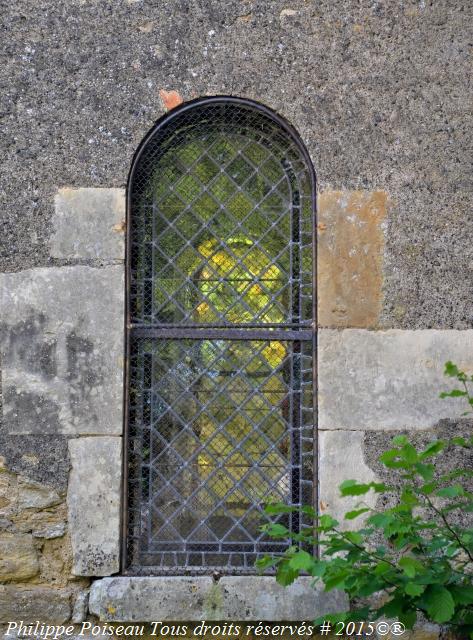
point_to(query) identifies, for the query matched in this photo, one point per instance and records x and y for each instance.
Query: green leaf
(266, 561)
(392, 609)
(409, 453)
(454, 393)
(277, 508)
(354, 536)
(413, 589)
(379, 487)
(451, 369)
(335, 581)
(286, 574)
(380, 519)
(462, 594)
(381, 568)
(400, 440)
(276, 530)
(432, 449)
(389, 455)
(439, 603)
(351, 515)
(425, 470)
(410, 566)
(450, 492)
(351, 488)
(428, 488)
(318, 568)
(408, 618)
(327, 522)
(301, 561)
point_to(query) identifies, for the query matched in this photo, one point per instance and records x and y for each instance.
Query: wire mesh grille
(220, 398)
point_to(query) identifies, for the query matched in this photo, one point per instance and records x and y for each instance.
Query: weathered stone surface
(8, 493)
(200, 598)
(455, 458)
(55, 561)
(18, 557)
(388, 379)
(147, 599)
(262, 598)
(378, 96)
(93, 500)
(43, 458)
(62, 347)
(350, 253)
(46, 605)
(88, 223)
(81, 606)
(33, 495)
(53, 531)
(341, 458)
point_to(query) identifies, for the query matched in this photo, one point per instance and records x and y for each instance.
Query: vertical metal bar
(316, 471)
(124, 515)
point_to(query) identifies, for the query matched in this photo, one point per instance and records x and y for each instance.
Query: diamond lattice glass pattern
(218, 231)
(219, 424)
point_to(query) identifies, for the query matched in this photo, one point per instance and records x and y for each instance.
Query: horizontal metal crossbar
(222, 334)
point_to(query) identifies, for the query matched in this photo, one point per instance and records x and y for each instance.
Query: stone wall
(62, 355)
(379, 94)
(61, 332)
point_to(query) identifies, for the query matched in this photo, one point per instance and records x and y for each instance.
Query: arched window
(221, 337)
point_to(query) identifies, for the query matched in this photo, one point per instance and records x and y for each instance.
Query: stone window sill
(232, 598)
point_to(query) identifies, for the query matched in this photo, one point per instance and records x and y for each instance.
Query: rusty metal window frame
(150, 341)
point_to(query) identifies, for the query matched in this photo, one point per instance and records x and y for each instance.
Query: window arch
(220, 337)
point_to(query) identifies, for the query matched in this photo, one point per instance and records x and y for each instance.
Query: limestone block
(350, 256)
(8, 493)
(262, 598)
(341, 458)
(81, 606)
(48, 533)
(88, 223)
(375, 380)
(93, 500)
(29, 605)
(18, 557)
(33, 495)
(148, 599)
(231, 598)
(61, 340)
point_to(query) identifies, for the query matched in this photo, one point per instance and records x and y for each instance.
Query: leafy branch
(411, 552)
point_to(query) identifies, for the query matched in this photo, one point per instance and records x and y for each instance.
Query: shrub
(415, 553)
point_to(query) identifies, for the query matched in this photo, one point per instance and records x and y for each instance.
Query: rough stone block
(18, 557)
(262, 598)
(200, 598)
(8, 492)
(33, 495)
(341, 458)
(93, 500)
(88, 223)
(375, 380)
(29, 605)
(43, 458)
(61, 338)
(350, 255)
(148, 599)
